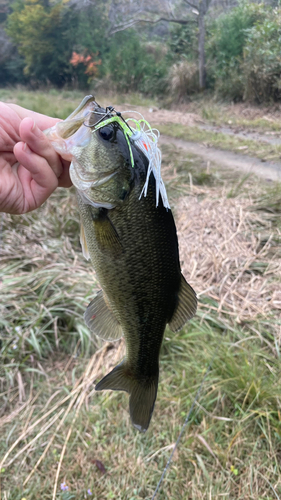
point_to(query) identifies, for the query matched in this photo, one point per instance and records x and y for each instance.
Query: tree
(124, 14)
(46, 33)
(202, 7)
(36, 30)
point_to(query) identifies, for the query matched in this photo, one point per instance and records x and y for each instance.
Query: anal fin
(186, 307)
(101, 320)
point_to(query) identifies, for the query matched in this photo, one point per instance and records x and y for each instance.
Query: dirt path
(265, 169)
(268, 137)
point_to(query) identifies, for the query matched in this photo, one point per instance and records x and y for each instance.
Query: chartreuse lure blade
(125, 128)
(146, 139)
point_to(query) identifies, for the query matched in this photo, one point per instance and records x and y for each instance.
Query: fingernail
(26, 149)
(36, 131)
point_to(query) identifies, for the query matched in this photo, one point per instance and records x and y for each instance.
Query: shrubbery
(46, 35)
(227, 36)
(61, 43)
(262, 60)
(243, 53)
(134, 65)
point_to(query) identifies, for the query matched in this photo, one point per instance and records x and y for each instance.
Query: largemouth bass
(133, 247)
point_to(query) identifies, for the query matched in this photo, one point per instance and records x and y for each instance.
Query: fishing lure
(146, 139)
(135, 130)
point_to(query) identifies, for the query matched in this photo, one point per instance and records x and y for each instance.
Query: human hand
(30, 169)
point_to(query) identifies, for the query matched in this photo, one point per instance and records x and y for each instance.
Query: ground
(60, 439)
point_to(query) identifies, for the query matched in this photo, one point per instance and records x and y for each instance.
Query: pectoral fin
(83, 242)
(107, 236)
(186, 307)
(101, 320)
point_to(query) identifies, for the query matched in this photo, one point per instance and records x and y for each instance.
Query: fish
(132, 242)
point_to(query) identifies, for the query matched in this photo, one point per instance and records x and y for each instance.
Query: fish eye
(106, 133)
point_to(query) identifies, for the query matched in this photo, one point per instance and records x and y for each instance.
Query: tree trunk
(201, 50)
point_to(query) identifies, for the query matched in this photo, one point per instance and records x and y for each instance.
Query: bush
(262, 60)
(134, 65)
(10, 62)
(184, 80)
(227, 37)
(47, 33)
(228, 82)
(183, 40)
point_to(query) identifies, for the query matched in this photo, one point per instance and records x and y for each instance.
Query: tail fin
(142, 393)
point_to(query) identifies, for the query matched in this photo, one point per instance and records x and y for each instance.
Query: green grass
(60, 104)
(243, 115)
(231, 447)
(219, 140)
(232, 442)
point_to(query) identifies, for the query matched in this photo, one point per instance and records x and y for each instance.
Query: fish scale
(133, 247)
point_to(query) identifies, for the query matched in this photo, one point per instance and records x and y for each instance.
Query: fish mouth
(81, 182)
(97, 204)
(104, 179)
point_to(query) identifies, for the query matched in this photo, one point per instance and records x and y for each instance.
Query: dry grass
(55, 429)
(67, 431)
(224, 252)
(183, 80)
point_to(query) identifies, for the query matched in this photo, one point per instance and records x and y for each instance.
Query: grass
(56, 430)
(242, 115)
(60, 104)
(219, 140)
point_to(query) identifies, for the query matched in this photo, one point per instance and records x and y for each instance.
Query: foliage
(46, 36)
(262, 59)
(228, 32)
(225, 46)
(134, 66)
(85, 65)
(183, 40)
(10, 61)
(36, 30)
(243, 53)
(12, 70)
(86, 32)
(57, 40)
(242, 50)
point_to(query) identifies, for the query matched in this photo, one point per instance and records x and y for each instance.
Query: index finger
(40, 144)
(42, 121)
